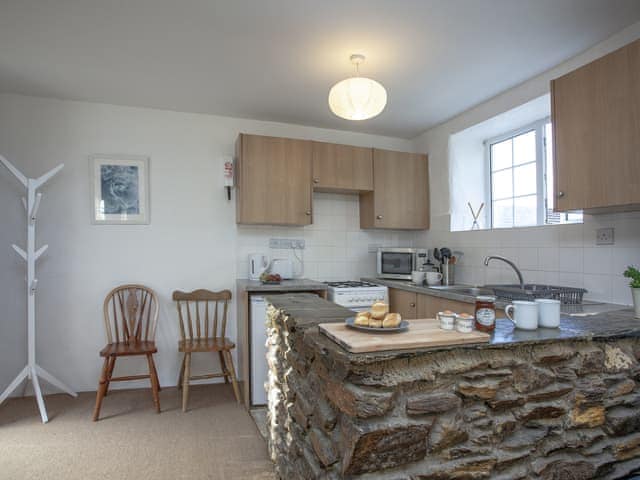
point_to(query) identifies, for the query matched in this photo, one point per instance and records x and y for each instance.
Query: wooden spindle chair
(202, 329)
(130, 320)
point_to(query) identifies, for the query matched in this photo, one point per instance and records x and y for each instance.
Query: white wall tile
(621, 258)
(598, 286)
(620, 290)
(527, 258)
(598, 260)
(548, 259)
(570, 279)
(571, 260)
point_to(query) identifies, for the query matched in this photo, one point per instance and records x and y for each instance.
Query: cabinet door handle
(308, 213)
(379, 217)
(315, 180)
(560, 194)
(412, 305)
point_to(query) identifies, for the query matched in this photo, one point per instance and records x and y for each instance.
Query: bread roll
(362, 319)
(374, 323)
(379, 310)
(392, 320)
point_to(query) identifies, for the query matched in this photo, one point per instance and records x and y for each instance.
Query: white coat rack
(32, 370)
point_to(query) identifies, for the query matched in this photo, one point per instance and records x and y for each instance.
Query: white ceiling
(277, 59)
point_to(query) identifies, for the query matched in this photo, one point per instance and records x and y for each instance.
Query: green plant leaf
(634, 274)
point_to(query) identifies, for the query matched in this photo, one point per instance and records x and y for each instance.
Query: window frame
(539, 127)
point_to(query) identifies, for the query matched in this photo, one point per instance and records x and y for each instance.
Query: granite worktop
(296, 284)
(548, 404)
(588, 307)
(307, 311)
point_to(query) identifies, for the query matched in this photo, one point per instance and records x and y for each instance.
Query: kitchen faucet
(506, 260)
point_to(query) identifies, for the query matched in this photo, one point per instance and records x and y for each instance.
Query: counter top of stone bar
(309, 310)
(297, 284)
(543, 405)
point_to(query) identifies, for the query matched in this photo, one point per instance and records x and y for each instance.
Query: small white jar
(464, 323)
(447, 320)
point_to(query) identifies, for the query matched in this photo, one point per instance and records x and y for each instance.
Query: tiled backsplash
(336, 247)
(565, 255)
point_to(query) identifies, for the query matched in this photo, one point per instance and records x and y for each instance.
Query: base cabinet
(411, 305)
(403, 302)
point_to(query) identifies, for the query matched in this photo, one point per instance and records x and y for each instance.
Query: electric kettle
(258, 263)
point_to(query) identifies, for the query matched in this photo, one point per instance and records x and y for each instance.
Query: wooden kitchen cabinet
(596, 134)
(274, 180)
(342, 168)
(429, 306)
(400, 197)
(411, 305)
(403, 302)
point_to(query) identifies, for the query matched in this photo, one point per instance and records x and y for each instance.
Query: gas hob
(356, 295)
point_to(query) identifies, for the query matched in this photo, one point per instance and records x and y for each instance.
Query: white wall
(192, 240)
(564, 254)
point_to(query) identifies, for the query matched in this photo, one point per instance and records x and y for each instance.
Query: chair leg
(157, 379)
(102, 388)
(225, 370)
(185, 381)
(181, 372)
(112, 364)
(232, 371)
(153, 376)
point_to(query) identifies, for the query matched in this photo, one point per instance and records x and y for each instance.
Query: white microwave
(398, 263)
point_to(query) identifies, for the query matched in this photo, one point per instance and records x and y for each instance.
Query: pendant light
(357, 98)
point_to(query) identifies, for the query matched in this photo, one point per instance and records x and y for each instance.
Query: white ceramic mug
(548, 312)
(434, 278)
(525, 314)
(417, 277)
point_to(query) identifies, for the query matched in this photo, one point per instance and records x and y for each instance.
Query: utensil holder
(448, 273)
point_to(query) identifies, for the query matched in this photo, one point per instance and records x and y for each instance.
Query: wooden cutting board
(422, 333)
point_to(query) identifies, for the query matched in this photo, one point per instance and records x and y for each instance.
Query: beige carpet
(215, 439)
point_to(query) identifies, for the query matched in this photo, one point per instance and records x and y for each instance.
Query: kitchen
(408, 208)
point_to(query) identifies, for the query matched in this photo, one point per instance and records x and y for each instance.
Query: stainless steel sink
(510, 292)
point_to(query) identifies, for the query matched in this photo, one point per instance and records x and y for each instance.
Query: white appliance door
(259, 369)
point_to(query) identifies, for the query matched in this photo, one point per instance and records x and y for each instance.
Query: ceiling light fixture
(357, 98)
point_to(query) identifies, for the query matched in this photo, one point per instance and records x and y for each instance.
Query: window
(521, 179)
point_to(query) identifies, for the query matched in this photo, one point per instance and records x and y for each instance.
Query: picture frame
(119, 189)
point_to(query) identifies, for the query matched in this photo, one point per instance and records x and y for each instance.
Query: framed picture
(120, 189)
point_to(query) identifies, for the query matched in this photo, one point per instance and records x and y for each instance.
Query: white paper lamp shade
(357, 98)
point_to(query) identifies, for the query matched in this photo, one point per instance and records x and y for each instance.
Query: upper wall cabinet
(400, 197)
(274, 180)
(596, 127)
(342, 168)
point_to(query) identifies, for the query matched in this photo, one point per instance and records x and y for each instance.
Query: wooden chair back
(198, 313)
(131, 314)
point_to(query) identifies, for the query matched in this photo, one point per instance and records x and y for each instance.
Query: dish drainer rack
(566, 295)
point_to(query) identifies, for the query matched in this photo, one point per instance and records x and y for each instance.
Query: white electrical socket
(604, 236)
(284, 243)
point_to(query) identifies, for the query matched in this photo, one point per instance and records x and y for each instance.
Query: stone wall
(568, 410)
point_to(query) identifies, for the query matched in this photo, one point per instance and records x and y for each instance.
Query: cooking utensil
(436, 254)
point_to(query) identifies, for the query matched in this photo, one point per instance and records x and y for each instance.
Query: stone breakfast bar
(549, 404)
